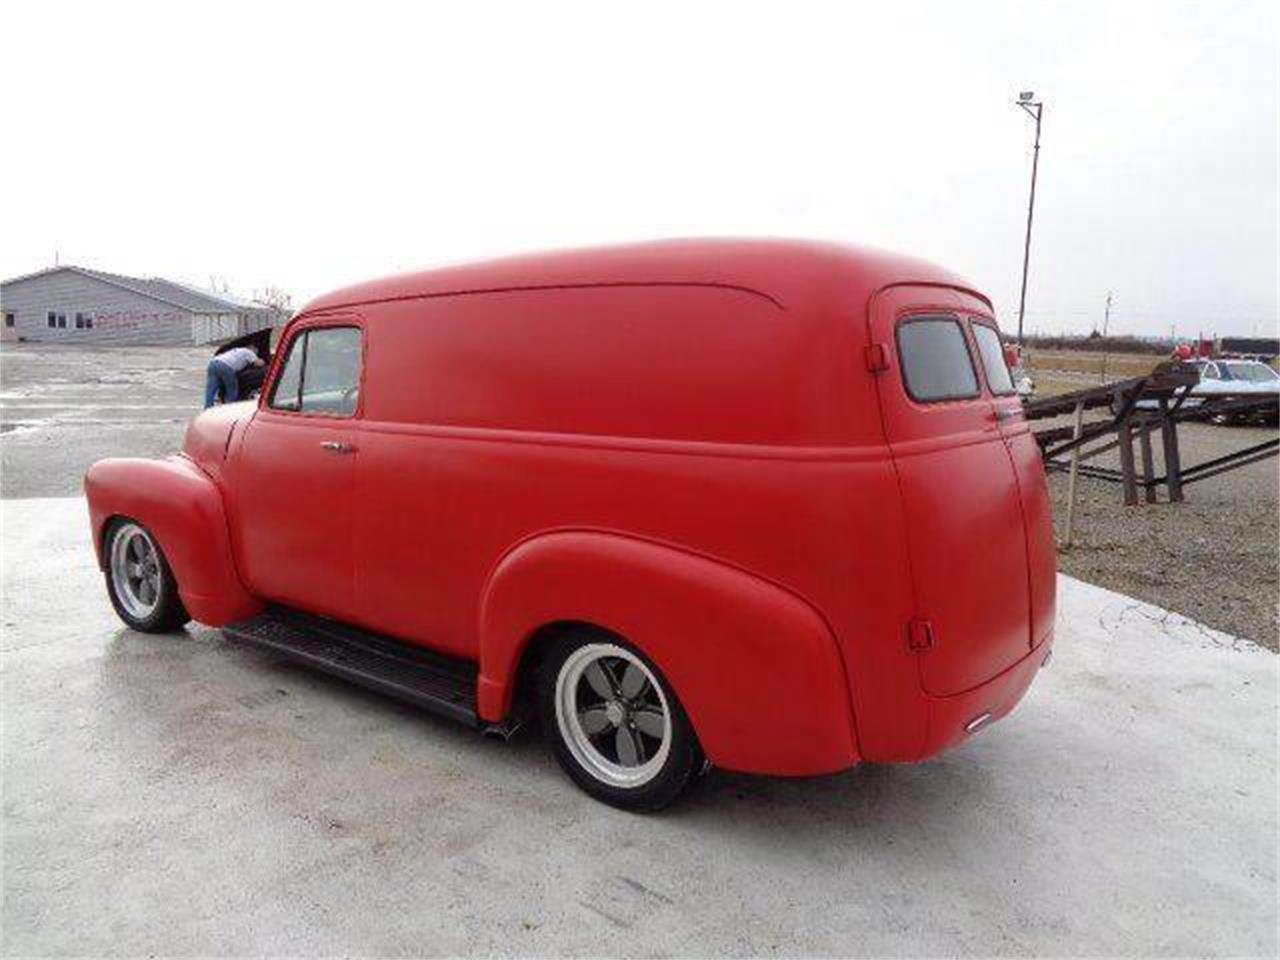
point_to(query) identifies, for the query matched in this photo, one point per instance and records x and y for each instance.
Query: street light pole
(1035, 110)
(1106, 322)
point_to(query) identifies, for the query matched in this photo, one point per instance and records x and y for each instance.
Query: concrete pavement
(185, 795)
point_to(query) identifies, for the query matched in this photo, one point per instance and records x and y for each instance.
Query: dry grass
(1119, 366)
(1050, 386)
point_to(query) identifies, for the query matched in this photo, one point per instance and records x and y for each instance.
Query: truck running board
(443, 685)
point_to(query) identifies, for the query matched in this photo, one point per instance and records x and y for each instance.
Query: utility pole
(1106, 321)
(1035, 110)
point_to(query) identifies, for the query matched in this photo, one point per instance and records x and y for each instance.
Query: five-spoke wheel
(139, 581)
(615, 724)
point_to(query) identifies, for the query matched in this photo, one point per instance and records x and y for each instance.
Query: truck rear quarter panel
(757, 668)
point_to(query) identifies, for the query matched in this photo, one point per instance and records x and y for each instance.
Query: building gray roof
(166, 291)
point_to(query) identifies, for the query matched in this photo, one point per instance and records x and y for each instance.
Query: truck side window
(935, 360)
(321, 374)
(285, 395)
(993, 362)
(331, 373)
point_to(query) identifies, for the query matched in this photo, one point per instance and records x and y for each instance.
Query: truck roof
(786, 272)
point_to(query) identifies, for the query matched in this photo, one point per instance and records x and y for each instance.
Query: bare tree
(275, 298)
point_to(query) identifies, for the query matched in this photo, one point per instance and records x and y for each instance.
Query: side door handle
(336, 446)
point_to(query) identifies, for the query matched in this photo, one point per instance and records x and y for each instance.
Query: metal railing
(1138, 408)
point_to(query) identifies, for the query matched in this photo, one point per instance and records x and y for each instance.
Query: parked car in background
(1228, 383)
(1222, 378)
(1236, 376)
(766, 505)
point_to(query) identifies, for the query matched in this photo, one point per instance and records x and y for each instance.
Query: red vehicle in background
(767, 505)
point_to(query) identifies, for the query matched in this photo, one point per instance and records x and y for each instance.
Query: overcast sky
(305, 147)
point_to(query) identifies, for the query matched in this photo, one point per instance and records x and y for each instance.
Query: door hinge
(877, 357)
(920, 636)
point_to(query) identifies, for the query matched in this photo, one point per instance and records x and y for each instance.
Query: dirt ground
(1212, 558)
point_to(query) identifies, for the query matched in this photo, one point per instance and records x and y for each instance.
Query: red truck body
(760, 463)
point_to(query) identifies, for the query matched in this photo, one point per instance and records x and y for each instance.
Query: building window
(62, 321)
(10, 320)
(83, 321)
(51, 318)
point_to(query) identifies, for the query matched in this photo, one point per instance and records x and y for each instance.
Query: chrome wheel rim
(613, 715)
(135, 570)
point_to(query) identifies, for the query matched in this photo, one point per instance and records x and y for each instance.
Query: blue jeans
(220, 380)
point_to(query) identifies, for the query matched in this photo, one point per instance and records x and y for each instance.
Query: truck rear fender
(755, 666)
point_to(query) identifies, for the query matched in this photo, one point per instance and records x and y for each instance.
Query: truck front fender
(183, 509)
(755, 666)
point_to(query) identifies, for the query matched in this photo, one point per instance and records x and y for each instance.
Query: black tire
(683, 762)
(167, 614)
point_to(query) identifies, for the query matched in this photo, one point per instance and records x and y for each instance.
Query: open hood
(251, 378)
(259, 341)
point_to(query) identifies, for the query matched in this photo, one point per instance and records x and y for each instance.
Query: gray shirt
(237, 358)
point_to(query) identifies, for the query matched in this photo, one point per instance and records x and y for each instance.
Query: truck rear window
(935, 360)
(992, 353)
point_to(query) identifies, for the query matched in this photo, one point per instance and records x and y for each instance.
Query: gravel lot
(1212, 557)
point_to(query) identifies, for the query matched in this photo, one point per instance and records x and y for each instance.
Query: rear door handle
(335, 446)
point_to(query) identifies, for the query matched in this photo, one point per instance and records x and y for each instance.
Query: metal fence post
(1148, 470)
(1069, 532)
(1127, 473)
(1172, 461)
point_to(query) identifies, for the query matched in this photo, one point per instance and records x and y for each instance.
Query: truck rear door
(960, 493)
(1028, 470)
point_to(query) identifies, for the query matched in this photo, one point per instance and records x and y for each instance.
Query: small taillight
(920, 636)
